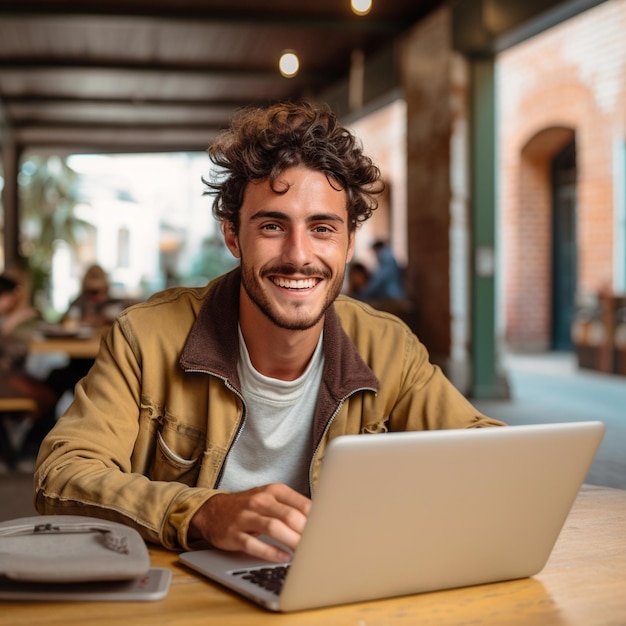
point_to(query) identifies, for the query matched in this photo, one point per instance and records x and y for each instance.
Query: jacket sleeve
(427, 399)
(87, 464)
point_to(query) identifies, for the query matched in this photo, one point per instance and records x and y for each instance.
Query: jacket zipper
(242, 420)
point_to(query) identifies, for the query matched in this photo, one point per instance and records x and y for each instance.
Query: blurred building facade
(562, 171)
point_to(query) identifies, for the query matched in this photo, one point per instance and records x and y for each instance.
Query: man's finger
(263, 550)
(280, 502)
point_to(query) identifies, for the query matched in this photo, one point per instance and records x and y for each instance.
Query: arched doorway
(564, 248)
(545, 178)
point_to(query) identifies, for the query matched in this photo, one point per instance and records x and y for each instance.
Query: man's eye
(322, 229)
(271, 227)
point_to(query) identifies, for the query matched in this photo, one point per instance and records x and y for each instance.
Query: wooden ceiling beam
(202, 70)
(255, 19)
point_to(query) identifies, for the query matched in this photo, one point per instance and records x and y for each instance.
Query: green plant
(48, 196)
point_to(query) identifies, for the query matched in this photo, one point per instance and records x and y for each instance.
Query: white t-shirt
(276, 441)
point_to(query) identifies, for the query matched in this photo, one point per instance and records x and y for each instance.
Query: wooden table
(12, 401)
(75, 347)
(16, 404)
(583, 584)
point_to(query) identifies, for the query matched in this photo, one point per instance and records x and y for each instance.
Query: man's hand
(233, 521)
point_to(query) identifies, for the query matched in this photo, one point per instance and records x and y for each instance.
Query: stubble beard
(264, 304)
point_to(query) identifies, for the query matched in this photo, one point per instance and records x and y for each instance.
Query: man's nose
(297, 249)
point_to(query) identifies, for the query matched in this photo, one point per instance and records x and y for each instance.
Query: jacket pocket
(178, 454)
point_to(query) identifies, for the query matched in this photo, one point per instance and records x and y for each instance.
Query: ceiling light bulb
(289, 64)
(361, 7)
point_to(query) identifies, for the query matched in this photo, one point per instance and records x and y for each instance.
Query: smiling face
(293, 246)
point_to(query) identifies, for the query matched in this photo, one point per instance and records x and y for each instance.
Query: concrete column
(425, 60)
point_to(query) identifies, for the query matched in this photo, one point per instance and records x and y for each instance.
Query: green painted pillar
(483, 223)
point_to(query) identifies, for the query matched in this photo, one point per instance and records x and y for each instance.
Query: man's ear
(351, 243)
(230, 238)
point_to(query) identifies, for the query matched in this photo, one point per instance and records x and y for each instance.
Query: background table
(583, 584)
(74, 347)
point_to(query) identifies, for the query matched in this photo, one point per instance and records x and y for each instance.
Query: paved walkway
(550, 387)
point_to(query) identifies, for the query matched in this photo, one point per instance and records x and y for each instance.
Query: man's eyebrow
(279, 215)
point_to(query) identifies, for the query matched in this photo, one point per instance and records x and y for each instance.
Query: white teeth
(306, 283)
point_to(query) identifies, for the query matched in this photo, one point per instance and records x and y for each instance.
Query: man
(19, 321)
(387, 280)
(207, 413)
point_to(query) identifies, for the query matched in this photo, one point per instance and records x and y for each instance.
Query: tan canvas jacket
(145, 439)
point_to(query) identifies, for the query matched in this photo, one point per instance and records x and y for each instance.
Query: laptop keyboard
(270, 578)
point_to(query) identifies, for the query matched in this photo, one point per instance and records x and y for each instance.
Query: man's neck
(277, 352)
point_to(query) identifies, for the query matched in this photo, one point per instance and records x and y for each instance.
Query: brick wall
(569, 80)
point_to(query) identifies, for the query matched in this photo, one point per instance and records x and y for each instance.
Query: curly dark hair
(263, 142)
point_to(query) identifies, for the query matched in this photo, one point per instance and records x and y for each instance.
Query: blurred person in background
(358, 278)
(387, 281)
(95, 308)
(18, 321)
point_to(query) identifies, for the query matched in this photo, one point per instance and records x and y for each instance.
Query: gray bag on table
(71, 557)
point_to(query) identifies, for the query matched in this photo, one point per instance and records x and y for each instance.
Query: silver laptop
(404, 513)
